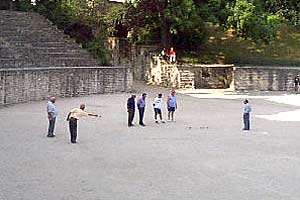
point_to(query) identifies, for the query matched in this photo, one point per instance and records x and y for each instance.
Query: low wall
(24, 85)
(260, 78)
(190, 76)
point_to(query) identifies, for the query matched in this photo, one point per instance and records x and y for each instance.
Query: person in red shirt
(172, 55)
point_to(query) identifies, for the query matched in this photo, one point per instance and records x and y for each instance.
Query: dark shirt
(297, 80)
(130, 103)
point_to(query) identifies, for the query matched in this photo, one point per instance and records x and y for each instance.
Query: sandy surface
(203, 155)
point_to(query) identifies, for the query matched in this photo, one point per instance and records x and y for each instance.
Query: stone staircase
(28, 40)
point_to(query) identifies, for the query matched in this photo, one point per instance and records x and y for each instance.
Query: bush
(98, 49)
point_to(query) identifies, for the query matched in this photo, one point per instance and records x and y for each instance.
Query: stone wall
(190, 76)
(260, 78)
(137, 57)
(24, 85)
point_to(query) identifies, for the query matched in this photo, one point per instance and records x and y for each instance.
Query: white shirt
(78, 113)
(158, 102)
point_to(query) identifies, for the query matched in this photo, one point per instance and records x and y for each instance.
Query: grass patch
(225, 47)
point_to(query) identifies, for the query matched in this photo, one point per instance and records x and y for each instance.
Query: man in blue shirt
(52, 113)
(246, 115)
(131, 109)
(171, 105)
(141, 104)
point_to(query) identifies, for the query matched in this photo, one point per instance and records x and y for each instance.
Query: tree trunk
(164, 25)
(165, 32)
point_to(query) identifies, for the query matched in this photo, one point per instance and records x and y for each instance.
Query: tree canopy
(178, 23)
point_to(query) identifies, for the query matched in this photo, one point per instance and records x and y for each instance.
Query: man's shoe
(142, 124)
(163, 122)
(50, 135)
(130, 125)
(156, 121)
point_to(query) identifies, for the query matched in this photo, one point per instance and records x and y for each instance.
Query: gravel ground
(203, 155)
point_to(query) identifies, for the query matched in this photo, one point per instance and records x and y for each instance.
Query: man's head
(160, 95)
(246, 101)
(173, 92)
(52, 99)
(133, 96)
(82, 106)
(144, 95)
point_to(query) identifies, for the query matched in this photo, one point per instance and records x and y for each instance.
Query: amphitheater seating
(28, 40)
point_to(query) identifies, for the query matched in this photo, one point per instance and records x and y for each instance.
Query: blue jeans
(246, 118)
(51, 126)
(141, 113)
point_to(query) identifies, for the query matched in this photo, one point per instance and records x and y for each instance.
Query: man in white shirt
(74, 115)
(52, 113)
(157, 108)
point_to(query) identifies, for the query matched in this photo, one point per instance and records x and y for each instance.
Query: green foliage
(250, 20)
(98, 50)
(25, 5)
(178, 23)
(186, 25)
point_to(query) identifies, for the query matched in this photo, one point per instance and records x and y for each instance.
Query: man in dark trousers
(246, 115)
(73, 116)
(131, 109)
(52, 113)
(141, 104)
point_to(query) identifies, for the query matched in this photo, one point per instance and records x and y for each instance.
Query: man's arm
(129, 102)
(168, 101)
(138, 103)
(50, 115)
(68, 117)
(94, 115)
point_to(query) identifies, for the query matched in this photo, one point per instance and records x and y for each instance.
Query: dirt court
(203, 155)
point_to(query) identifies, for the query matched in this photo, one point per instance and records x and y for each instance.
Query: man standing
(52, 113)
(141, 104)
(297, 83)
(131, 109)
(73, 116)
(157, 108)
(246, 115)
(171, 105)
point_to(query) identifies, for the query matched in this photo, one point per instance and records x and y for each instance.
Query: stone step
(14, 29)
(22, 24)
(58, 49)
(44, 44)
(32, 33)
(44, 55)
(28, 22)
(60, 62)
(39, 38)
(29, 40)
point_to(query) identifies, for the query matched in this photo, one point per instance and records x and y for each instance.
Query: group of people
(157, 107)
(171, 55)
(76, 113)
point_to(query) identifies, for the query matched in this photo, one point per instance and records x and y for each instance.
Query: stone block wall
(272, 78)
(24, 85)
(190, 76)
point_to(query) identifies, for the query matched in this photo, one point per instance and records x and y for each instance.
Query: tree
(176, 22)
